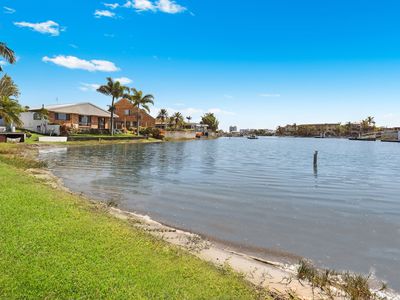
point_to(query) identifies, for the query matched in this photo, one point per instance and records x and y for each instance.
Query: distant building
(391, 135)
(246, 131)
(233, 129)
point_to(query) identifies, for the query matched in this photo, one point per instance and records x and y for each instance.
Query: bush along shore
(55, 244)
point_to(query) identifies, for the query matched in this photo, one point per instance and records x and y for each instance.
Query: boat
(367, 139)
(252, 137)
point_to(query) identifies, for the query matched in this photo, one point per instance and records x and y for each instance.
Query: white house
(33, 122)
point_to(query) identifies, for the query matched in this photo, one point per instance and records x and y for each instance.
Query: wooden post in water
(316, 163)
(315, 159)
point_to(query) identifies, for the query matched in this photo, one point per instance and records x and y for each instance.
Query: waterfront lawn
(54, 245)
(33, 139)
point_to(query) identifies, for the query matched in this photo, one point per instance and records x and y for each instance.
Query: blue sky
(255, 63)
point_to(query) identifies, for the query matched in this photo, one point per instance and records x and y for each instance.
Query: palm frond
(10, 110)
(7, 53)
(8, 88)
(146, 107)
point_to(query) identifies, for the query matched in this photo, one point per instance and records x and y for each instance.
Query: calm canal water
(258, 196)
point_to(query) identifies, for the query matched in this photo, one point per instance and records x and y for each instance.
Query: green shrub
(153, 132)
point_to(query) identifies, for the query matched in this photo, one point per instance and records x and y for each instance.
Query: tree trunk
(112, 116)
(137, 119)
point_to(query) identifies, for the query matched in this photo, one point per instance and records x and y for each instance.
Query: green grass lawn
(33, 139)
(54, 245)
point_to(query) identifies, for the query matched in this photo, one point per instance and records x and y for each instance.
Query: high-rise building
(233, 129)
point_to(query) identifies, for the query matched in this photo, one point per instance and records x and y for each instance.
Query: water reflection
(259, 194)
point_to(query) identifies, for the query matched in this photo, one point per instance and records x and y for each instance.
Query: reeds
(337, 284)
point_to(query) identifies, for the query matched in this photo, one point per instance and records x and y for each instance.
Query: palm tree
(162, 115)
(140, 101)
(7, 54)
(364, 125)
(371, 121)
(178, 119)
(116, 91)
(189, 118)
(8, 88)
(10, 109)
(171, 121)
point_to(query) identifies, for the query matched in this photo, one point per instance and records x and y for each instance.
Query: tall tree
(162, 115)
(8, 88)
(178, 119)
(10, 109)
(371, 121)
(115, 90)
(171, 121)
(210, 120)
(140, 101)
(7, 54)
(188, 118)
(280, 130)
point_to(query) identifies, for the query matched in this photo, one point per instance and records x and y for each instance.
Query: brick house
(127, 116)
(80, 116)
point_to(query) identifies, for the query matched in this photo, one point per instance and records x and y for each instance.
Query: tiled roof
(84, 108)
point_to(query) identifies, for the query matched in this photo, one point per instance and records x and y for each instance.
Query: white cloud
(3, 63)
(109, 35)
(123, 80)
(73, 46)
(104, 13)
(8, 10)
(72, 62)
(140, 5)
(270, 95)
(49, 27)
(228, 96)
(166, 6)
(170, 7)
(89, 87)
(111, 5)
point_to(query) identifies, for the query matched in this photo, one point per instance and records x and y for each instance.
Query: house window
(36, 116)
(127, 112)
(84, 120)
(63, 117)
